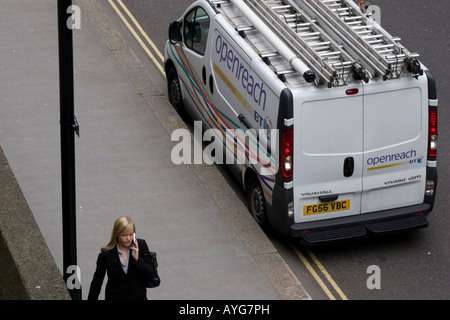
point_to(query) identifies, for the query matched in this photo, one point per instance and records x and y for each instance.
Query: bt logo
(418, 160)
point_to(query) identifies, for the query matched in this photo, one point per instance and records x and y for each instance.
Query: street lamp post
(68, 127)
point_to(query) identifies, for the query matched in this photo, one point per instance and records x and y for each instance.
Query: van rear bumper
(363, 225)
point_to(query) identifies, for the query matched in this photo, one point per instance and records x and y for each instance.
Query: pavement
(208, 245)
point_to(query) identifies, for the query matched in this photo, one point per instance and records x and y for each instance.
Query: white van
(344, 118)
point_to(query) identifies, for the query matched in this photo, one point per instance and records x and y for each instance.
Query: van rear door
(328, 154)
(360, 150)
(395, 144)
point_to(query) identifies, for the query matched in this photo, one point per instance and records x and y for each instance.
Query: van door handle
(211, 83)
(204, 74)
(329, 198)
(349, 166)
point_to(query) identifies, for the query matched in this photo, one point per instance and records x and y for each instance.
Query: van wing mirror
(175, 32)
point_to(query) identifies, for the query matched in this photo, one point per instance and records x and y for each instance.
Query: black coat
(121, 286)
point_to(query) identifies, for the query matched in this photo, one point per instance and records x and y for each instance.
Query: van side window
(196, 28)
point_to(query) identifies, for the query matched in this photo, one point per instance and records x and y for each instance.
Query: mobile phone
(134, 239)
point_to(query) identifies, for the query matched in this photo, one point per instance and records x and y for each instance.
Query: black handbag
(155, 281)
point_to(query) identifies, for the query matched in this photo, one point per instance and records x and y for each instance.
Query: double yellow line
(158, 60)
(324, 272)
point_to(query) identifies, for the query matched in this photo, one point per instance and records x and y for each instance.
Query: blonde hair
(121, 225)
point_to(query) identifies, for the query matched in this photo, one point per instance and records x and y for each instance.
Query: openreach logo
(231, 146)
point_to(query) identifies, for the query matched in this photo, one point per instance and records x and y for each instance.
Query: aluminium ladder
(384, 55)
(338, 42)
(305, 37)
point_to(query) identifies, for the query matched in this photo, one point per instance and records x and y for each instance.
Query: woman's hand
(135, 250)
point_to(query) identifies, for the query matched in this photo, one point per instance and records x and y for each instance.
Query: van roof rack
(339, 42)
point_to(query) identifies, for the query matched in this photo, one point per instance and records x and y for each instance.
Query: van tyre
(257, 202)
(174, 90)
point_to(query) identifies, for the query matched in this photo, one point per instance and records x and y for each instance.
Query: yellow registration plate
(326, 207)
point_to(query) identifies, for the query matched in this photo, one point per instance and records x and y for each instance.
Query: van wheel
(174, 90)
(257, 202)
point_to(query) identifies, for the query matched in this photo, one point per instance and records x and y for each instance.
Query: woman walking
(124, 260)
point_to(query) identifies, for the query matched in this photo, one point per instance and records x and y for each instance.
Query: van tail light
(432, 133)
(287, 160)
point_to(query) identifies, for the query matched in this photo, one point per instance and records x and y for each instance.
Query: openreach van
(329, 123)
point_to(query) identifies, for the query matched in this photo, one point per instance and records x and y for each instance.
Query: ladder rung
(353, 23)
(333, 53)
(386, 51)
(290, 17)
(342, 64)
(298, 29)
(316, 44)
(341, 11)
(372, 36)
(362, 27)
(362, 32)
(305, 34)
(285, 71)
(352, 18)
(372, 42)
(305, 24)
(244, 28)
(384, 46)
(396, 56)
(281, 7)
(270, 54)
(307, 40)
